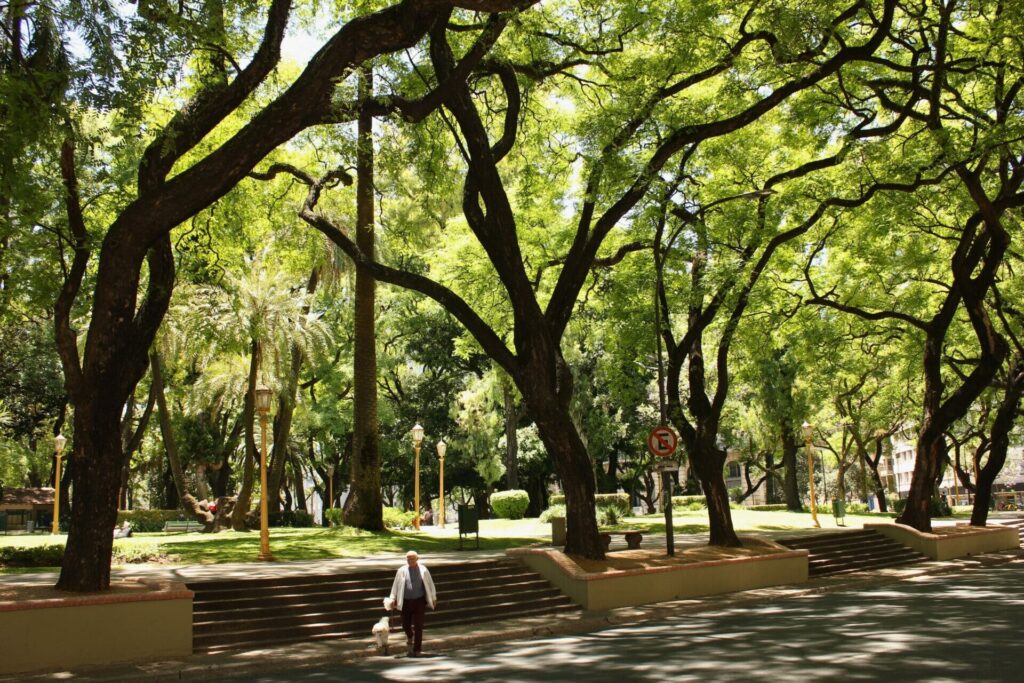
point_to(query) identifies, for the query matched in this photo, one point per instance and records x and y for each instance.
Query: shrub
(147, 521)
(398, 519)
(35, 556)
(619, 501)
(898, 506)
(734, 494)
(937, 507)
(334, 517)
(856, 508)
(609, 516)
(510, 504)
(684, 501)
(134, 553)
(774, 507)
(602, 500)
(553, 511)
(688, 507)
(298, 519)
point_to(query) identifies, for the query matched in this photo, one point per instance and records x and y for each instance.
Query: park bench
(183, 525)
(633, 538)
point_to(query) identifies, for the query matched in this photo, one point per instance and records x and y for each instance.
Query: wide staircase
(247, 614)
(851, 551)
(1016, 522)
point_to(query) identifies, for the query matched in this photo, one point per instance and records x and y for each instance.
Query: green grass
(495, 534)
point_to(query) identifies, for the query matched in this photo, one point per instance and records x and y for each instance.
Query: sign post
(662, 442)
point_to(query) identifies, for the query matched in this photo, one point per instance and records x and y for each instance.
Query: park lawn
(318, 543)
(289, 544)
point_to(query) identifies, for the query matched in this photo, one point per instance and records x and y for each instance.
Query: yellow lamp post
(263, 396)
(330, 487)
(58, 442)
(808, 434)
(417, 440)
(442, 448)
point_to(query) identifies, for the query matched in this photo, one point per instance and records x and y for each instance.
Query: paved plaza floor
(963, 626)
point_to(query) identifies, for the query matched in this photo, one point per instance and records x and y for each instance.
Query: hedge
(937, 507)
(398, 519)
(687, 501)
(553, 511)
(510, 504)
(53, 555)
(620, 501)
(774, 507)
(146, 521)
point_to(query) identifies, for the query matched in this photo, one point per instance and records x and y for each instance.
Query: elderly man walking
(412, 591)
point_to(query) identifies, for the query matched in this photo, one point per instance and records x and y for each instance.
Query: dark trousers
(413, 611)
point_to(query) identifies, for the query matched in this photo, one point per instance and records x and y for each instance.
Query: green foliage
(148, 521)
(609, 515)
(553, 511)
(937, 507)
(775, 507)
(685, 501)
(510, 504)
(557, 499)
(395, 518)
(618, 501)
(856, 508)
(335, 517)
(53, 555)
(34, 556)
(734, 494)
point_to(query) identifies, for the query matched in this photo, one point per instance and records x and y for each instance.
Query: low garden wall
(610, 588)
(44, 629)
(947, 543)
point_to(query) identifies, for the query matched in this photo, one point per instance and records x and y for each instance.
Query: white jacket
(402, 580)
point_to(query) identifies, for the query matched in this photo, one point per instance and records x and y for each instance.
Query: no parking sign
(662, 441)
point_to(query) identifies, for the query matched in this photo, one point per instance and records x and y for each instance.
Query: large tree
(176, 180)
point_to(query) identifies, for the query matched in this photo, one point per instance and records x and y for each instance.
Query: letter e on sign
(662, 441)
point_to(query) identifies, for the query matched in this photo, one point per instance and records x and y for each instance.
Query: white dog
(381, 634)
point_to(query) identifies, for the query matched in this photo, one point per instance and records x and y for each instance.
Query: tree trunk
(1000, 443)
(244, 500)
(708, 463)
(364, 508)
(789, 460)
(97, 457)
(300, 489)
(511, 439)
(186, 499)
(769, 465)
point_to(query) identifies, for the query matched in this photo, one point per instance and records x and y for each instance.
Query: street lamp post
(442, 448)
(58, 441)
(808, 434)
(263, 396)
(417, 440)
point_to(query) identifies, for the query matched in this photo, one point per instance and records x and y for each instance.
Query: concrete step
(850, 551)
(261, 612)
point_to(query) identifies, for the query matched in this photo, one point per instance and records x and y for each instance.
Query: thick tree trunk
(708, 463)
(364, 506)
(789, 460)
(98, 458)
(931, 450)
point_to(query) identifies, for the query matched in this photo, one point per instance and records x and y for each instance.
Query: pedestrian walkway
(328, 653)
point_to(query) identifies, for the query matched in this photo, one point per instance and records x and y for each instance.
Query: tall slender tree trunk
(244, 500)
(187, 501)
(364, 507)
(789, 460)
(511, 439)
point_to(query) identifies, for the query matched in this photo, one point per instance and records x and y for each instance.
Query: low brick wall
(623, 588)
(135, 622)
(955, 542)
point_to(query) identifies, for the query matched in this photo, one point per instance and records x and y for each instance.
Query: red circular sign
(662, 441)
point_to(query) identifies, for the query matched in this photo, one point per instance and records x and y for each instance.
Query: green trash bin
(468, 524)
(839, 512)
